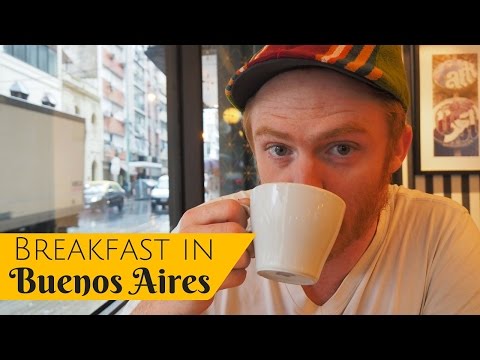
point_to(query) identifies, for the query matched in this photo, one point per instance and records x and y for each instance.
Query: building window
(32, 55)
(94, 170)
(20, 52)
(139, 96)
(52, 61)
(43, 57)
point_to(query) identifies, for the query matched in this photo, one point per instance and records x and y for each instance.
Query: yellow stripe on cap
(340, 53)
(334, 51)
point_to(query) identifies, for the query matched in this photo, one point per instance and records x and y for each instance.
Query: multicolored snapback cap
(378, 65)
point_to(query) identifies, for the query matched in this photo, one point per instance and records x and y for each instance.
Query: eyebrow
(268, 131)
(349, 128)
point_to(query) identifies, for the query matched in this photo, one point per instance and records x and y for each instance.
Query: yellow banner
(116, 266)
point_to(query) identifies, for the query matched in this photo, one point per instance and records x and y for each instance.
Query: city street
(136, 217)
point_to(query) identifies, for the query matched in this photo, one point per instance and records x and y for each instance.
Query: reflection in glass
(229, 165)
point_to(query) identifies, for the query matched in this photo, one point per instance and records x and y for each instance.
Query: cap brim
(253, 78)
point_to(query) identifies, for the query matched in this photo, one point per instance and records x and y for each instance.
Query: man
(335, 117)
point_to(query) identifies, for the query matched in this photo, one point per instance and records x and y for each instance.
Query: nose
(309, 170)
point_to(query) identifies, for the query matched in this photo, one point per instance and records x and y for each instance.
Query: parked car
(143, 188)
(160, 193)
(102, 194)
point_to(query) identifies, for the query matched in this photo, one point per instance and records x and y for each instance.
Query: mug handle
(251, 247)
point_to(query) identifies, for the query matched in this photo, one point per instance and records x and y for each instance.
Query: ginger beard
(363, 209)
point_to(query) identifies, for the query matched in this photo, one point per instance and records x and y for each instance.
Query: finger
(251, 249)
(245, 202)
(243, 262)
(227, 227)
(238, 274)
(235, 278)
(227, 210)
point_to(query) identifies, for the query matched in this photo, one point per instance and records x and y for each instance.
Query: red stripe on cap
(288, 51)
(265, 48)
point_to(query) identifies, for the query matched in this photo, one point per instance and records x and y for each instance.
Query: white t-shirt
(424, 259)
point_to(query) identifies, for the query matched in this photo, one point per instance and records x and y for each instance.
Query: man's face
(324, 129)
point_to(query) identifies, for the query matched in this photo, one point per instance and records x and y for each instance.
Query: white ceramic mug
(295, 227)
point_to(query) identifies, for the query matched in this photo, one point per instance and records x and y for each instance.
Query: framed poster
(447, 97)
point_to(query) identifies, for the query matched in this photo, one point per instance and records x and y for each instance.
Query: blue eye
(278, 150)
(343, 149)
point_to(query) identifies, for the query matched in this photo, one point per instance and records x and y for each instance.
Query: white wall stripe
(438, 185)
(405, 173)
(420, 182)
(457, 188)
(474, 184)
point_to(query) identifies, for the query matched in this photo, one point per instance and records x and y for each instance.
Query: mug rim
(286, 183)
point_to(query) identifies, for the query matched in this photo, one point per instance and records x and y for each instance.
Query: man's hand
(222, 216)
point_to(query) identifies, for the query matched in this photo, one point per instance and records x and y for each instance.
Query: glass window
(120, 135)
(139, 75)
(43, 58)
(228, 161)
(20, 52)
(139, 99)
(32, 55)
(52, 62)
(8, 49)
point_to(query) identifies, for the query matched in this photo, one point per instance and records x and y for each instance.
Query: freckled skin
(321, 128)
(324, 102)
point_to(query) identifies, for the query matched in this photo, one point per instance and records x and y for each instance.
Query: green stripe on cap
(368, 67)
